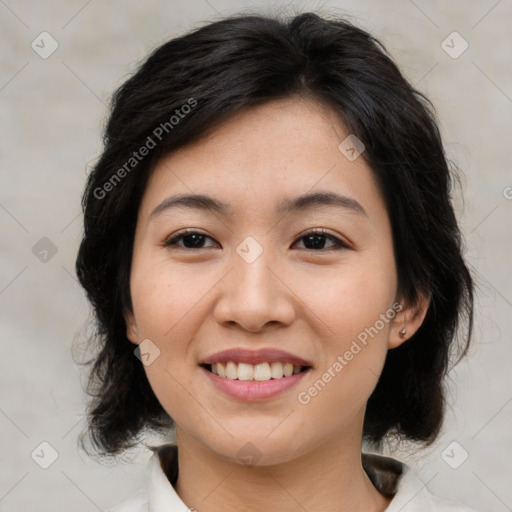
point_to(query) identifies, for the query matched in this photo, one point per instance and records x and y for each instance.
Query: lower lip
(254, 391)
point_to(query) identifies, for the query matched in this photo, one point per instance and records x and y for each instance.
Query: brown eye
(189, 240)
(317, 240)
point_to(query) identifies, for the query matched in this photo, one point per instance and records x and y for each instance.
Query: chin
(257, 449)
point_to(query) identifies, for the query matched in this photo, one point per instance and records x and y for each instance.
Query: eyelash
(321, 232)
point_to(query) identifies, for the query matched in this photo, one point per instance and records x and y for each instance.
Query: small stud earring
(403, 332)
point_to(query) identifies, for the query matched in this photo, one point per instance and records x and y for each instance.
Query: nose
(254, 296)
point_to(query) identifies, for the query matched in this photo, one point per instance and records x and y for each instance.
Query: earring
(403, 332)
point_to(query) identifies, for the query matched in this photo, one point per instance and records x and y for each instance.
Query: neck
(331, 478)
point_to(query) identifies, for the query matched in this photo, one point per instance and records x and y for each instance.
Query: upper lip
(265, 355)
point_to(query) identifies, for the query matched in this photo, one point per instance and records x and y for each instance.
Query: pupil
(317, 238)
(197, 240)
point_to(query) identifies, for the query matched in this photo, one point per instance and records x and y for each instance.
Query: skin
(313, 302)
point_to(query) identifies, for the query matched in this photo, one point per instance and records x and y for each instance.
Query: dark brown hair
(226, 67)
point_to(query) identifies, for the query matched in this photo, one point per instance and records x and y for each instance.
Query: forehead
(258, 158)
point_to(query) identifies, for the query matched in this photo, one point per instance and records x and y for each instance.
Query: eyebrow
(301, 203)
(310, 201)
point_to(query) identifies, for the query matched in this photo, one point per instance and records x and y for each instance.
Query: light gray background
(52, 113)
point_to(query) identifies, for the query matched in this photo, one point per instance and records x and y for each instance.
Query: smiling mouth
(258, 372)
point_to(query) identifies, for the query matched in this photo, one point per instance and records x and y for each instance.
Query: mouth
(260, 372)
(254, 375)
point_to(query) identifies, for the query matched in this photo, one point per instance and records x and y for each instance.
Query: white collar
(389, 475)
(161, 494)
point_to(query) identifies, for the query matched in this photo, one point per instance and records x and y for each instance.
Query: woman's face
(256, 287)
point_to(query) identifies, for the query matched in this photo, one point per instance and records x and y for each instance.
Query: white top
(389, 476)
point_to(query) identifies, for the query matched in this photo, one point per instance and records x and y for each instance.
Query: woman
(275, 266)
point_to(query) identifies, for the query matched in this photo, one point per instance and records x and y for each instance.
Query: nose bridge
(253, 275)
(252, 295)
(251, 260)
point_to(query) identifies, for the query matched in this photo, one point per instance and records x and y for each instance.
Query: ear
(132, 332)
(408, 321)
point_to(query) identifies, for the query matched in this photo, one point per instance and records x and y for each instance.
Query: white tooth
(231, 372)
(262, 371)
(220, 370)
(276, 370)
(287, 369)
(214, 369)
(296, 369)
(245, 371)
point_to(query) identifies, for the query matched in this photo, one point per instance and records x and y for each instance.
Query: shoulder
(409, 494)
(158, 492)
(442, 505)
(414, 496)
(136, 502)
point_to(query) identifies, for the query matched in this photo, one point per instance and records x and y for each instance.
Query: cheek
(168, 312)
(351, 298)
(355, 308)
(163, 298)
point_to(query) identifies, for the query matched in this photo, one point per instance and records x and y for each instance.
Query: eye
(191, 240)
(316, 239)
